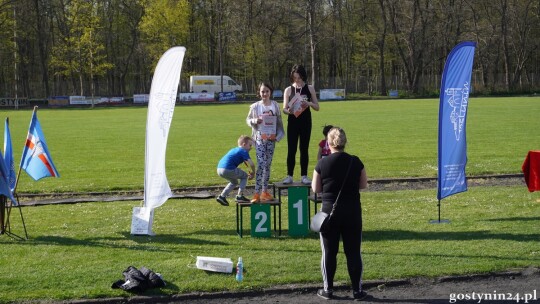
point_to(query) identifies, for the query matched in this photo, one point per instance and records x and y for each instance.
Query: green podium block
(260, 220)
(298, 211)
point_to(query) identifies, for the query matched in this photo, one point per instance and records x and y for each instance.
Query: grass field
(103, 149)
(77, 251)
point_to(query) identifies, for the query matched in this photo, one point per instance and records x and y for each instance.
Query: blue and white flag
(36, 159)
(454, 102)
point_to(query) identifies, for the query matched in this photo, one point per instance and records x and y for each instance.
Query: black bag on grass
(138, 280)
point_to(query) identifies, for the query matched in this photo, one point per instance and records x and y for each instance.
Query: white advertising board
(188, 97)
(141, 98)
(332, 94)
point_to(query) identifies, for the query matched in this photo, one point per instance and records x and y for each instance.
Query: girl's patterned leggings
(265, 153)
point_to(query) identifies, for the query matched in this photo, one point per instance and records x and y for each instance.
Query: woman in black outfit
(299, 126)
(329, 177)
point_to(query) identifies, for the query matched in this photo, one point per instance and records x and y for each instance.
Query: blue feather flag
(454, 102)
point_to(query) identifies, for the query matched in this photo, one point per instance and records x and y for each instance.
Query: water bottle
(239, 270)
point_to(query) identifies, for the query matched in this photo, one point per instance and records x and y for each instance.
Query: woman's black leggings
(350, 232)
(298, 129)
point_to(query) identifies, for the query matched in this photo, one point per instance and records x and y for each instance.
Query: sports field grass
(77, 251)
(103, 149)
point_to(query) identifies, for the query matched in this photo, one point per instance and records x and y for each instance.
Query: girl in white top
(265, 120)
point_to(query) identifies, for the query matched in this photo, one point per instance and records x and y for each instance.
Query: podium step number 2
(298, 211)
(260, 220)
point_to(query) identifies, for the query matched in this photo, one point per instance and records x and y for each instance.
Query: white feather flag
(161, 104)
(160, 112)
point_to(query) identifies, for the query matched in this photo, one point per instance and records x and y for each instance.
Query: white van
(212, 83)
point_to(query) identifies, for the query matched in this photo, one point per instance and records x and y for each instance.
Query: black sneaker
(359, 295)
(222, 200)
(325, 294)
(242, 199)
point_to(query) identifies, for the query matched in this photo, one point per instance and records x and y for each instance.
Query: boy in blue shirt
(228, 169)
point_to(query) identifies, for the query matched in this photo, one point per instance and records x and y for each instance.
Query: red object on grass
(531, 170)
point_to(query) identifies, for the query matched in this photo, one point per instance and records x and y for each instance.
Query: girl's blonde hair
(337, 138)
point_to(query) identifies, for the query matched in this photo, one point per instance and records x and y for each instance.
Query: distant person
(298, 98)
(265, 120)
(340, 174)
(324, 149)
(228, 169)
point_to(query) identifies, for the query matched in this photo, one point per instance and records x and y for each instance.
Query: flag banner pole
(8, 225)
(453, 106)
(161, 103)
(439, 221)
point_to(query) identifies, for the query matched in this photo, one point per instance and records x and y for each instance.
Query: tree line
(111, 47)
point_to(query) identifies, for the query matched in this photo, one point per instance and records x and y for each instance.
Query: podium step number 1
(298, 211)
(260, 220)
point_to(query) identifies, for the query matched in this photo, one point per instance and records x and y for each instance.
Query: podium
(298, 211)
(258, 221)
(298, 206)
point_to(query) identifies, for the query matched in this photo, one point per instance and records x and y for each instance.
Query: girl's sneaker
(287, 180)
(256, 198)
(265, 196)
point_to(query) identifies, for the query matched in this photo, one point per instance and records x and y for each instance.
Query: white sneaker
(287, 180)
(306, 180)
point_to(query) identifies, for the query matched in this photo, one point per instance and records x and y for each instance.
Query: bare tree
(409, 21)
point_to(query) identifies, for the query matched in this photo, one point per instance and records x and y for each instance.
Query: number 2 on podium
(262, 216)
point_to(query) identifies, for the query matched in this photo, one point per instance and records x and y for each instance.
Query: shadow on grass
(467, 257)
(113, 242)
(514, 219)
(168, 238)
(390, 235)
(247, 233)
(405, 235)
(191, 238)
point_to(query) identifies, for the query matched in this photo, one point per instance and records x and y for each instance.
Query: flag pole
(439, 221)
(22, 156)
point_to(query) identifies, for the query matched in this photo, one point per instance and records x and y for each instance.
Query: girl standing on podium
(266, 124)
(298, 98)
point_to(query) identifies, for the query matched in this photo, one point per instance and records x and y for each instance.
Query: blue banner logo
(227, 96)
